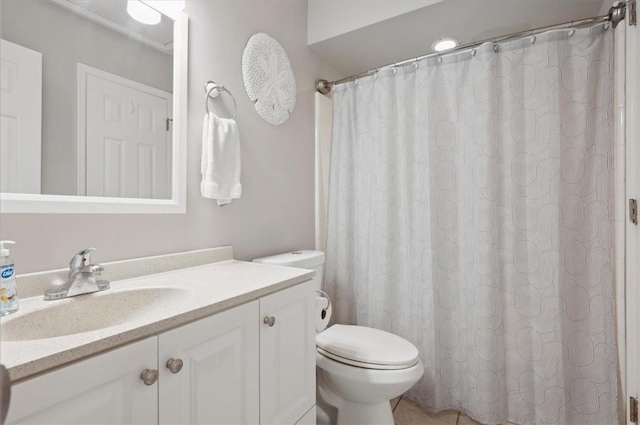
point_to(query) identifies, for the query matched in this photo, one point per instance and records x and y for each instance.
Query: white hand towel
(220, 164)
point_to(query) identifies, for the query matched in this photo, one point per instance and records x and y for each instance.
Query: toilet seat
(367, 348)
(363, 365)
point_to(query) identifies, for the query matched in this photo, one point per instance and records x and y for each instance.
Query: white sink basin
(91, 312)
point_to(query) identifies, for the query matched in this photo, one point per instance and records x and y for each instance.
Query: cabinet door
(105, 389)
(309, 418)
(287, 355)
(218, 383)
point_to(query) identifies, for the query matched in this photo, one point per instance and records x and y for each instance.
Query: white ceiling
(411, 34)
(330, 18)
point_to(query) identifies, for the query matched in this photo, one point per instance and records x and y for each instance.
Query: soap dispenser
(8, 285)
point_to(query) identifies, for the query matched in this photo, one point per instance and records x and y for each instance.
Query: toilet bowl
(359, 369)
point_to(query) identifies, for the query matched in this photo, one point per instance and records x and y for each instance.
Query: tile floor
(406, 412)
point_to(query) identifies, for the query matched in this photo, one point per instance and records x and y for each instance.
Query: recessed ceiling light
(445, 43)
(143, 13)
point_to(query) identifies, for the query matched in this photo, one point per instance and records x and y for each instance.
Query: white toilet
(359, 369)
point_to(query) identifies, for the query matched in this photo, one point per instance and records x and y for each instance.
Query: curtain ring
(533, 40)
(416, 64)
(572, 31)
(473, 52)
(439, 59)
(495, 47)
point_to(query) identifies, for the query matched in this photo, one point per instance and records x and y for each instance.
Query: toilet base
(322, 417)
(365, 414)
(344, 412)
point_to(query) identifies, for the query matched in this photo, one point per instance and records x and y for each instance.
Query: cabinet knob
(269, 320)
(174, 365)
(149, 376)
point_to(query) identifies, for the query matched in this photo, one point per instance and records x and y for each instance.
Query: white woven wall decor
(268, 78)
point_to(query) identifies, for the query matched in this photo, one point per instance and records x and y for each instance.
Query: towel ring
(209, 88)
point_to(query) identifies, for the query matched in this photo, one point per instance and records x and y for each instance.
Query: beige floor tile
(409, 413)
(394, 403)
(465, 420)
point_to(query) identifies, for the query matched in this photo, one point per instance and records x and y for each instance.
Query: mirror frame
(26, 203)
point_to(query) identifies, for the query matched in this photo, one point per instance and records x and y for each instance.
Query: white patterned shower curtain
(470, 212)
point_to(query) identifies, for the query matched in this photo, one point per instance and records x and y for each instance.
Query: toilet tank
(306, 259)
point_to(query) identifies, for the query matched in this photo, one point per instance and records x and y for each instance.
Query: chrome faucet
(82, 278)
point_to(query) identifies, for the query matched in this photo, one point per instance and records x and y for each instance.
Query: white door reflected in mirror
(127, 137)
(21, 136)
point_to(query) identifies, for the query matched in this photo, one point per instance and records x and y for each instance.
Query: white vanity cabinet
(251, 364)
(218, 382)
(105, 389)
(287, 355)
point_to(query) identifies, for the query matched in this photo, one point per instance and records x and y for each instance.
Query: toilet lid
(367, 347)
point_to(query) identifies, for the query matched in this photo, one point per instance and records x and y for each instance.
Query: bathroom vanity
(224, 343)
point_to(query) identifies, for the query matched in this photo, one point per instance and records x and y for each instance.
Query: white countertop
(204, 290)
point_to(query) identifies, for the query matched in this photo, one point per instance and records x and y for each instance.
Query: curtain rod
(615, 15)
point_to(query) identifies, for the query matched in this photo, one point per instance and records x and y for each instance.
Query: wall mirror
(93, 114)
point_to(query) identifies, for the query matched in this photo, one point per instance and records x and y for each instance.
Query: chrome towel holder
(213, 90)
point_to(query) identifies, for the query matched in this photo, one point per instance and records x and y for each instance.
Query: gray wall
(276, 211)
(66, 39)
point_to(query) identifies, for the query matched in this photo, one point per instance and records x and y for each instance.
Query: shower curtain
(470, 213)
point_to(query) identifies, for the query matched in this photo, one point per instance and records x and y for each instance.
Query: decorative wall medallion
(268, 78)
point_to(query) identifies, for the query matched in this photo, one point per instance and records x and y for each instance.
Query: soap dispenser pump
(8, 285)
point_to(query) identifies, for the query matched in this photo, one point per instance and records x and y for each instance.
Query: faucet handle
(81, 259)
